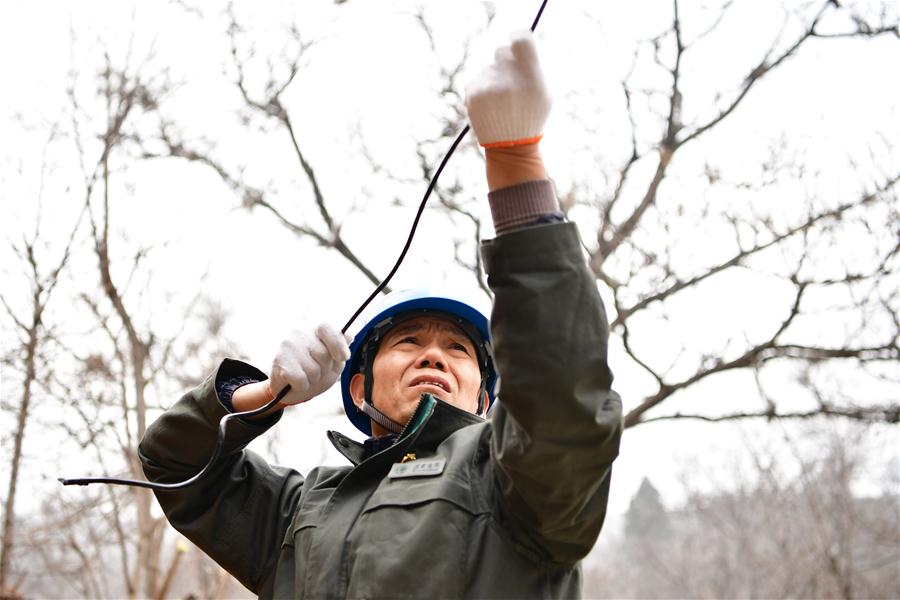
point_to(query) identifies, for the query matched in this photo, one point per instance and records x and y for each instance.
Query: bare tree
(119, 547)
(783, 522)
(137, 355)
(644, 274)
(123, 94)
(267, 104)
(638, 248)
(32, 333)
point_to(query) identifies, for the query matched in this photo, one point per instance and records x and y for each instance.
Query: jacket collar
(432, 422)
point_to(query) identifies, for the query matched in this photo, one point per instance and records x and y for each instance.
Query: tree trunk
(9, 505)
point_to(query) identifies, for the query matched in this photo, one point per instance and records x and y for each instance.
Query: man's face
(421, 355)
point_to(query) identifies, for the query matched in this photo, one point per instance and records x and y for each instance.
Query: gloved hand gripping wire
(223, 423)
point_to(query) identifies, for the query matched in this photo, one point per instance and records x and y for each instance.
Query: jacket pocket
(296, 564)
(412, 540)
(306, 517)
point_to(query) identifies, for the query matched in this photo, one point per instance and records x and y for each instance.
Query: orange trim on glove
(522, 142)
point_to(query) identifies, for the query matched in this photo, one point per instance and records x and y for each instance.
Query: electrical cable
(220, 440)
(431, 185)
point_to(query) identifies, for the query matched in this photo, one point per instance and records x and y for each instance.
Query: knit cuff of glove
(516, 128)
(523, 204)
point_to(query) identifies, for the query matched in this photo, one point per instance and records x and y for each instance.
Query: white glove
(309, 363)
(508, 102)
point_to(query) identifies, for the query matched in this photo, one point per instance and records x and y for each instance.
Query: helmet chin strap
(393, 426)
(368, 407)
(379, 417)
(482, 390)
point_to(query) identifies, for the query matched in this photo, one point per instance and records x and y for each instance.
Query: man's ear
(357, 389)
(487, 401)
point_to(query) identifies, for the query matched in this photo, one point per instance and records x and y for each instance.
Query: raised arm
(556, 431)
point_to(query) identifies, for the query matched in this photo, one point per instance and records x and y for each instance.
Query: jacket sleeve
(556, 430)
(239, 513)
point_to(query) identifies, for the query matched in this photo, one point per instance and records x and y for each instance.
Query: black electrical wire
(220, 440)
(412, 231)
(415, 225)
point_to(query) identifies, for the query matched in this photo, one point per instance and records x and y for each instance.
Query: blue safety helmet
(402, 305)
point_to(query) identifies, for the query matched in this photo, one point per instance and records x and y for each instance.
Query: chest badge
(417, 468)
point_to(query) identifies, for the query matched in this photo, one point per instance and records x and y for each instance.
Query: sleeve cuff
(233, 374)
(529, 203)
(226, 387)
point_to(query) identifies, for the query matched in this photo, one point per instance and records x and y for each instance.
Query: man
(439, 502)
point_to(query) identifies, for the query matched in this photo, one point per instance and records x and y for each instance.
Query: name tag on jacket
(417, 468)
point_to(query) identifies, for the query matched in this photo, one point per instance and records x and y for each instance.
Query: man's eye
(407, 340)
(458, 346)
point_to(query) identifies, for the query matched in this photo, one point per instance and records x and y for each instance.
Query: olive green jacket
(503, 508)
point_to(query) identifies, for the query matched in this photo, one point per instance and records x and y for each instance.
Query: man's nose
(431, 357)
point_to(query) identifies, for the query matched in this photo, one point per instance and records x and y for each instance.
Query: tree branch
(737, 259)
